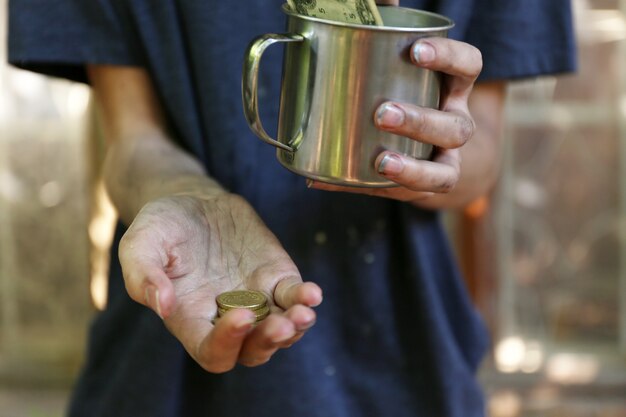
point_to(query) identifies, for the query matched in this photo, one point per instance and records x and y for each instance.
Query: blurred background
(544, 256)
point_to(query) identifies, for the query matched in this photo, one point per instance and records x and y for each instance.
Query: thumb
(146, 281)
(291, 291)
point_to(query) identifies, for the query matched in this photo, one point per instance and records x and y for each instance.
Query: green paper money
(363, 12)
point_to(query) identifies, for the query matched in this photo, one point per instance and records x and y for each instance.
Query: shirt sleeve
(521, 39)
(517, 38)
(58, 38)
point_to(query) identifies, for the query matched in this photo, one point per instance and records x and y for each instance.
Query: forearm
(142, 161)
(481, 156)
(146, 166)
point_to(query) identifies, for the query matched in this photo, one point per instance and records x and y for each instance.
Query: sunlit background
(545, 256)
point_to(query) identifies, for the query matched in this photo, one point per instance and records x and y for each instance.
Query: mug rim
(287, 10)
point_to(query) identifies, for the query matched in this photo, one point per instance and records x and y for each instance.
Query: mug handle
(250, 81)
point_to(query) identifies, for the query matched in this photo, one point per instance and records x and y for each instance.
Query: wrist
(198, 186)
(144, 168)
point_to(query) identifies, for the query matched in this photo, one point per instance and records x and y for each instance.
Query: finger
(449, 56)
(218, 352)
(145, 279)
(266, 339)
(291, 291)
(318, 185)
(460, 61)
(303, 319)
(442, 129)
(395, 193)
(438, 176)
(418, 178)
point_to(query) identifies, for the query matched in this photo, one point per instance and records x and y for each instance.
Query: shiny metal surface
(250, 82)
(335, 75)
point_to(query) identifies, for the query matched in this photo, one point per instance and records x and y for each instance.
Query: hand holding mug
(447, 128)
(335, 75)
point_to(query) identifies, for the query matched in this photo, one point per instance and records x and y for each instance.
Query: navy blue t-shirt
(396, 334)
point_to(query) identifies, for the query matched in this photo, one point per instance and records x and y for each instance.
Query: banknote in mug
(364, 12)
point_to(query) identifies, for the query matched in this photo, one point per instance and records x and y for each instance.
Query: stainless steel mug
(335, 75)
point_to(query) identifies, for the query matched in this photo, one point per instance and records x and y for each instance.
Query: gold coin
(257, 311)
(262, 315)
(261, 312)
(221, 312)
(252, 300)
(224, 310)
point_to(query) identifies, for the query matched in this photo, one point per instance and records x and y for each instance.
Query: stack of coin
(254, 301)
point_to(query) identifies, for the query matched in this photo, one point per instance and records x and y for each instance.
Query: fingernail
(390, 116)
(390, 165)
(423, 53)
(309, 183)
(152, 299)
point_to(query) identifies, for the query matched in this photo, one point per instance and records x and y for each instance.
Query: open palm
(182, 251)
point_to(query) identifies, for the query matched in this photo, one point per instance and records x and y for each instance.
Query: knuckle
(285, 292)
(420, 119)
(133, 292)
(473, 59)
(449, 183)
(466, 129)
(479, 59)
(446, 186)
